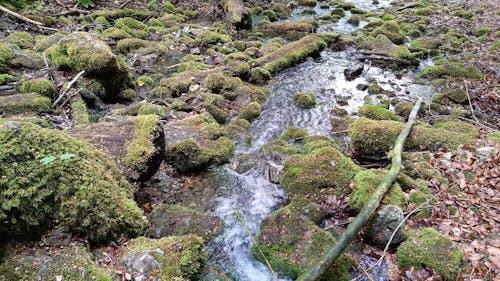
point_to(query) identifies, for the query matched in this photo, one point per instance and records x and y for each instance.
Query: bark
(367, 212)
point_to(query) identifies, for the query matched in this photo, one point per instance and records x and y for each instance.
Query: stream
(250, 193)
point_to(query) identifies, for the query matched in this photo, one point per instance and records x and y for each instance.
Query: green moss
(427, 11)
(211, 38)
(256, 93)
(78, 185)
(457, 95)
(259, 75)
(289, 30)
(21, 39)
(6, 55)
(73, 263)
(217, 82)
(172, 86)
(145, 80)
(271, 15)
(449, 68)
(214, 104)
(305, 100)
(292, 243)
(309, 3)
(250, 112)
(41, 86)
(43, 43)
(428, 248)
(495, 136)
(404, 109)
(129, 44)
(316, 142)
(115, 33)
(27, 59)
(392, 30)
(21, 103)
(279, 147)
(153, 109)
(183, 259)
(355, 19)
(366, 181)
(338, 12)
(323, 167)
(293, 134)
(79, 110)
(371, 137)
(376, 112)
(133, 27)
(7, 78)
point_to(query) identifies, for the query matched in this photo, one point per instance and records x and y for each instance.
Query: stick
(68, 87)
(21, 17)
(470, 103)
(369, 209)
(240, 219)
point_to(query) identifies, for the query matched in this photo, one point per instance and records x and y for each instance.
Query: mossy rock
(289, 30)
(255, 93)
(305, 100)
(128, 45)
(153, 109)
(7, 78)
(41, 86)
(136, 144)
(259, 75)
(321, 168)
(376, 112)
(114, 34)
(391, 30)
(383, 45)
(427, 247)
(457, 96)
(173, 87)
(84, 51)
(20, 39)
(179, 258)
(72, 263)
(366, 182)
(293, 134)
(174, 220)
(44, 42)
(210, 37)
(6, 55)
(22, 103)
(292, 243)
(309, 3)
(133, 27)
(450, 68)
(197, 142)
(375, 138)
(217, 82)
(250, 112)
(278, 150)
(79, 110)
(26, 58)
(53, 179)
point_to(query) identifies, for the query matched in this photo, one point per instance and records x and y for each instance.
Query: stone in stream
(383, 224)
(173, 220)
(136, 144)
(353, 71)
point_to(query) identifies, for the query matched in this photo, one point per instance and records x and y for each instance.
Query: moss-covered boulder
(305, 100)
(382, 45)
(450, 68)
(293, 134)
(365, 182)
(20, 39)
(250, 112)
(174, 220)
(289, 30)
(237, 13)
(22, 103)
(49, 178)
(392, 30)
(6, 55)
(136, 144)
(376, 112)
(179, 258)
(427, 247)
(323, 167)
(292, 243)
(375, 138)
(72, 263)
(197, 142)
(457, 95)
(84, 51)
(41, 86)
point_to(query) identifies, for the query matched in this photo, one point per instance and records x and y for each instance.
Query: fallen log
(367, 212)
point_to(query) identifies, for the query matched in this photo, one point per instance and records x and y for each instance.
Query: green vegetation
(21, 103)
(41, 86)
(376, 112)
(293, 134)
(250, 112)
(450, 68)
(305, 100)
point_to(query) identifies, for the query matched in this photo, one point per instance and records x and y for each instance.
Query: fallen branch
(23, 18)
(68, 87)
(369, 209)
(240, 219)
(385, 58)
(470, 103)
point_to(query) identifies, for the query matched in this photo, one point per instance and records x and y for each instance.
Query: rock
(362, 87)
(169, 258)
(84, 51)
(56, 238)
(427, 247)
(305, 100)
(237, 13)
(383, 225)
(485, 153)
(23, 103)
(353, 71)
(136, 144)
(247, 162)
(273, 172)
(175, 220)
(457, 95)
(52, 263)
(69, 180)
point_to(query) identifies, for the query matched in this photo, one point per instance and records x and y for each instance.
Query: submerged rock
(136, 144)
(171, 258)
(383, 225)
(354, 71)
(173, 220)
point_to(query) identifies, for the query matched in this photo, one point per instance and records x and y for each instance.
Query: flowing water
(251, 194)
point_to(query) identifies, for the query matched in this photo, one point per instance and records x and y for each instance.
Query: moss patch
(250, 112)
(21, 103)
(41, 86)
(305, 100)
(376, 112)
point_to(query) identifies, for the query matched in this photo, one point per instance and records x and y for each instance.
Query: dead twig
(23, 18)
(470, 103)
(68, 87)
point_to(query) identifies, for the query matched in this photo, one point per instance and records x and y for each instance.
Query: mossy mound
(179, 258)
(20, 39)
(84, 51)
(427, 247)
(293, 134)
(457, 95)
(22, 103)
(305, 100)
(391, 30)
(370, 137)
(50, 178)
(136, 144)
(255, 93)
(41, 86)
(250, 112)
(217, 82)
(72, 263)
(153, 109)
(289, 30)
(133, 27)
(320, 168)
(366, 181)
(382, 45)
(174, 220)
(79, 110)
(376, 112)
(291, 53)
(292, 243)
(197, 142)
(450, 68)
(173, 86)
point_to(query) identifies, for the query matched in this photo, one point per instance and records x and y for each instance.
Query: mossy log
(369, 209)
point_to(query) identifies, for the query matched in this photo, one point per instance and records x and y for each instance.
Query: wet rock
(174, 220)
(84, 51)
(136, 144)
(343, 100)
(273, 172)
(53, 263)
(247, 162)
(362, 87)
(383, 225)
(353, 71)
(169, 258)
